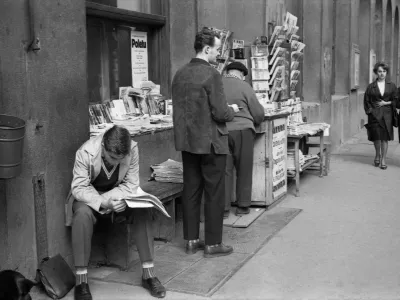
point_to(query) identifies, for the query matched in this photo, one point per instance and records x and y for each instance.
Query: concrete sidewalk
(344, 244)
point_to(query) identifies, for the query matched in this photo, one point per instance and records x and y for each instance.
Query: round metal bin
(12, 132)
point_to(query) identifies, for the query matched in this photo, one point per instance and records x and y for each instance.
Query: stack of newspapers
(168, 171)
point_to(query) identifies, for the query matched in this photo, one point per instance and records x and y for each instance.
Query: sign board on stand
(139, 57)
(279, 157)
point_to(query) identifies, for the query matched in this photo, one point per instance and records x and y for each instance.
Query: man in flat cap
(241, 136)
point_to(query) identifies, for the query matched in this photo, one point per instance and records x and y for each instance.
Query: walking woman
(380, 101)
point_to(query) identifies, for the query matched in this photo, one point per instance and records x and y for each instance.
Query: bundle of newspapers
(307, 128)
(168, 171)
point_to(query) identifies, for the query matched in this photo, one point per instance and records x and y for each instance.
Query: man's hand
(383, 103)
(117, 205)
(235, 107)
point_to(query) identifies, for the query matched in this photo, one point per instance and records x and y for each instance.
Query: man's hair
(205, 37)
(381, 64)
(117, 140)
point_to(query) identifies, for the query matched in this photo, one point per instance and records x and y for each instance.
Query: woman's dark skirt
(381, 130)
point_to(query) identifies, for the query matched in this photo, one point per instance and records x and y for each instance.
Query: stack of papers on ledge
(168, 171)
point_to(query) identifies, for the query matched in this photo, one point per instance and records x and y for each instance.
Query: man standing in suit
(200, 111)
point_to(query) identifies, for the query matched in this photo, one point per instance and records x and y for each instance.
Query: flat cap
(237, 66)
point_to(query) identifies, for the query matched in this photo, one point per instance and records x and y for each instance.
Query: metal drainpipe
(34, 46)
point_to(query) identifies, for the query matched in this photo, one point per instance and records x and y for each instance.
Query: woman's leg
(378, 147)
(384, 147)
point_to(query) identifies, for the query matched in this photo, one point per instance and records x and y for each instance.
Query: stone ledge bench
(114, 245)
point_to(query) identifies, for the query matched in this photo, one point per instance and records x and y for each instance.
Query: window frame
(159, 36)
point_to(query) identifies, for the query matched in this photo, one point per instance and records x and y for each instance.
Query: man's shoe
(154, 286)
(217, 250)
(242, 211)
(193, 247)
(226, 214)
(82, 292)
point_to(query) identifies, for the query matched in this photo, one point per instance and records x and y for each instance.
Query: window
(109, 64)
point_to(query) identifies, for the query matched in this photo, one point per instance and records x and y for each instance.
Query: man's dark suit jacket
(200, 109)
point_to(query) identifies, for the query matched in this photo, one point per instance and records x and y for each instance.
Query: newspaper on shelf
(259, 62)
(307, 128)
(290, 165)
(168, 171)
(136, 125)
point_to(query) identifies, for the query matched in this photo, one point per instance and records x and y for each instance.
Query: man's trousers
(203, 173)
(83, 223)
(241, 146)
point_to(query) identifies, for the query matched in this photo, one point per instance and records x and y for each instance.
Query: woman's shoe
(377, 162)
(384, 167)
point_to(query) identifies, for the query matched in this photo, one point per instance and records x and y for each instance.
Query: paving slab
(205, 275)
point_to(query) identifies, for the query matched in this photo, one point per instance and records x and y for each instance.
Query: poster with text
(139, 56)
(279, 186)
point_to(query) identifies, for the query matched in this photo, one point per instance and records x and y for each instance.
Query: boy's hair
(117, 140)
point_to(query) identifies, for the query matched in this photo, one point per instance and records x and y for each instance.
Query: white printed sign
(279, 157)
(139, 56)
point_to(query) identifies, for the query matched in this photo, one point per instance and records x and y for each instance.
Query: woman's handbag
(56, 276)
(367, 126)
(395, 117)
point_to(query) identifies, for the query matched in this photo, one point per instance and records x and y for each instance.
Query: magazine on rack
(297, 46)
(278, 53)
(278, 62)
(294, 37)
(278, 30)
(295, 65)
(260, 62)
(224, 34)
(289, 24)
(277, 44)
(294, 75)
(293, 32)
(237, 44)
(296, 56)
(279, 73)
(260, 86)
(293, 84)
(260, 74)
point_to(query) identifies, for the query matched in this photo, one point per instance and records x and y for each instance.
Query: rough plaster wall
(342, 47)
(212, 13)
(183, 23)
(312, 52)
(246, 19)
(47, 88)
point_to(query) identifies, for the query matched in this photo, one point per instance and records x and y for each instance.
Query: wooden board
(162, 190)
(245, 220)
(259, 168)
